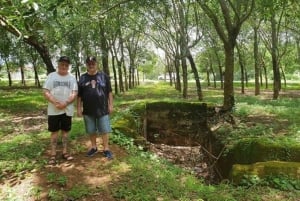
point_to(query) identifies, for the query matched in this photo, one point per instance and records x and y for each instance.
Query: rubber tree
(24, 20)
(227, 17)
(186, 13)
(6, 48)
(277, 17)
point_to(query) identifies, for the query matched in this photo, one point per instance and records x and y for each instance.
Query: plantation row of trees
(221, 39)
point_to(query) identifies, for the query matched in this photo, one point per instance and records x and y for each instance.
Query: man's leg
(53, 143)
(65, 154)
(90, 128)
(106, 152)
(105, 139)
(94, 149)
(93, 139)
(65, 141)
(105, 129)
(53, 140)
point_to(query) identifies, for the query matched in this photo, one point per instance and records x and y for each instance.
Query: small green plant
(121, 139)
(36, 192)
(62, 180)
(54, 178)
(250, 180)
(280, 182)
(55, 195)
(283, 182)
(79, 148)
(79, 191)
(51, 177)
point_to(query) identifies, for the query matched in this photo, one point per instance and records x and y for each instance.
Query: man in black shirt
(95, 103)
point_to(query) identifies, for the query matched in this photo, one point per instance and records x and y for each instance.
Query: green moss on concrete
(125, 126)
(264, 169)
(130, 121)
(181, 106)
(264, 149)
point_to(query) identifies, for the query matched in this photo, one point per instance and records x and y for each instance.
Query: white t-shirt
(61, 88)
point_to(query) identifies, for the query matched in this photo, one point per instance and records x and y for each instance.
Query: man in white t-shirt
(60, 89)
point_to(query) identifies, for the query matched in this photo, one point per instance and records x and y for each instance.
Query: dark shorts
(59, 122)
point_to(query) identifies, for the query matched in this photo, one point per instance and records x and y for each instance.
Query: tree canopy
(222, 40)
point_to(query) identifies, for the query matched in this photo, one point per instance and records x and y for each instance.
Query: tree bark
(228, 78)
(196, 75)
(8, 73)
(184, 77)
(43, 51)
(256, 64)
(104, 49)
(274, 54)
(242, 66)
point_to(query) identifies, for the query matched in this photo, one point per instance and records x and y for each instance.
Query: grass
(142, 175)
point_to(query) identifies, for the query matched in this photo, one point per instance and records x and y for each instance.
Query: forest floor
(96, 171)
(82, 170)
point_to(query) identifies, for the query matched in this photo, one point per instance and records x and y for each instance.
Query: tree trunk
(35, 69)
(137, 79)
(131, 72)
(125, 76)
(283, 75)
(265, 74)
(228, 77)
(256, 65)
(77, 70)
(120, 65)
(23, 83)
(104, 50)
(43, 51)
(184, 77)
(196, 75)
(207, 74)
(274, 54)
(178, 79)
(214, 74)
(8, 73)
(246, 77)
(297, 38)
(36, 76)
(115, 74)
(121, 84)
(221, 73)
(241, 62)
(220, 69)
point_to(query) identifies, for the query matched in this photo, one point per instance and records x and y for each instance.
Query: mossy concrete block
(127, 125)
(130, 122)
(263, 169)
(258, 150)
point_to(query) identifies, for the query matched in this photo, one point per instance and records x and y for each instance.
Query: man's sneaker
(108, 154)
(92, 152)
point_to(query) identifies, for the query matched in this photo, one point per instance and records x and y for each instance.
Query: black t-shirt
(94, 90)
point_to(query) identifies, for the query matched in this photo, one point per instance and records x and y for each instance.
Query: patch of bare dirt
(23, 123)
